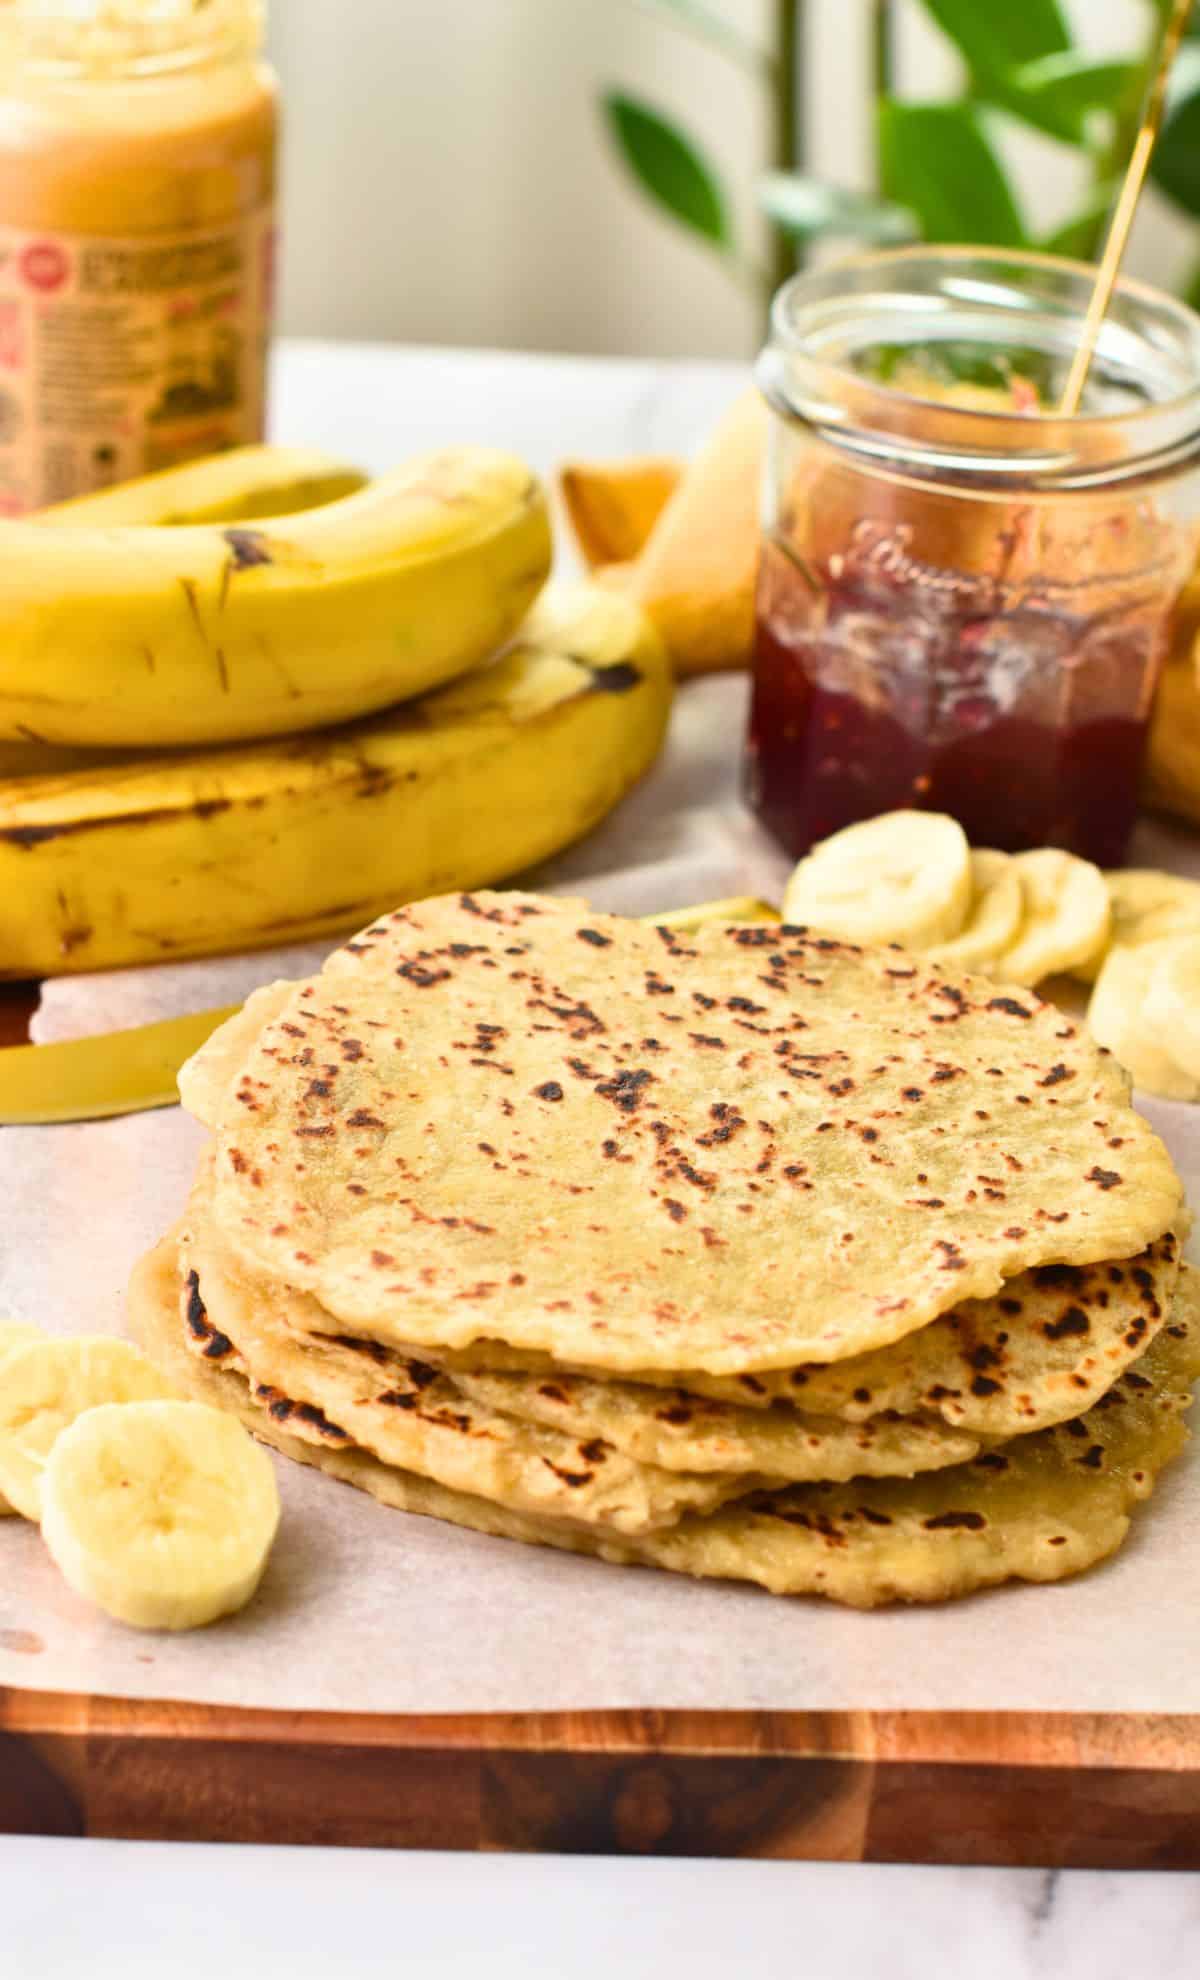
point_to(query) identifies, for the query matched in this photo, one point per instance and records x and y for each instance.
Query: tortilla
(1039, 1351)
(693, 1433)
(410, 1416)
(206, 1077)
(500, 1116)
(1059, 1502)
(272, 1335)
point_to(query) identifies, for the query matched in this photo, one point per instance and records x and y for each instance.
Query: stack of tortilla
(742, 1252)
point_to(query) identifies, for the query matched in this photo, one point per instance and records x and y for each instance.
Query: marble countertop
(73, 1908)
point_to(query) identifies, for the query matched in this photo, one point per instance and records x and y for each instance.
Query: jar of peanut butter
(137, 186)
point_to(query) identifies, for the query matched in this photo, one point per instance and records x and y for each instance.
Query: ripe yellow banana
(243, 485)
(193, 854)
(139, 637)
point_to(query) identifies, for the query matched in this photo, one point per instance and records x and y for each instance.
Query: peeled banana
(902, 877)
(243, 485)
(162, 1513)
(1065, 918)
(1144, 906)
(1118, 1016)
(992, 918)
(142, 637)
(45, 1386)
(13, 1334)
(193, 854)
(1173, 1001)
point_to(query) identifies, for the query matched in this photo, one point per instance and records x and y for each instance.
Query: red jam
(882, 682)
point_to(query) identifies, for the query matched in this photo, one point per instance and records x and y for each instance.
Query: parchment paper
(369, 1610)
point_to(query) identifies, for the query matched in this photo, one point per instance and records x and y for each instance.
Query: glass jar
(964, 597)
(137, 190)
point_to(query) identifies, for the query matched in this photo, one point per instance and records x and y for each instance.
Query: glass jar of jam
(964, 597)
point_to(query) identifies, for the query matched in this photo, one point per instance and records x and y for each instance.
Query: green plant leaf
(807, 208)
(1080, 235)
(1191, 288)
(668, 166)
(1061, 93)
(936, 160)
(1175, 162)
(995, 35)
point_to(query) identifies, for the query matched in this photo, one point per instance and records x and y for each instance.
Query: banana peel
(93, 1079)
(695, 573)
(613, 506)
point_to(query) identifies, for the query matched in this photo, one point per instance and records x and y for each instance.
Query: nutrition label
(122, 356)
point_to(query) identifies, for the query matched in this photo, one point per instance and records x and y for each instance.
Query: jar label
(120, 356)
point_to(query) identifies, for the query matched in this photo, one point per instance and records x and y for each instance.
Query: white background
(448, 178)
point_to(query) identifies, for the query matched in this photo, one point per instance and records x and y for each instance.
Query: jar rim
(88, 40)
(1147, 335)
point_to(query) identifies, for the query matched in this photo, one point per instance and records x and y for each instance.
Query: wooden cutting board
(973, 1788)
(959, 1787)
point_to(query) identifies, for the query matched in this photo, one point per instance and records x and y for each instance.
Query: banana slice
(1145, 906)
(1173, 1000)
(994, 915)
(1064, 917)
(14, 1334)
(45, 1386)
(903, 877)
(162, 1513)
(1119, 1017)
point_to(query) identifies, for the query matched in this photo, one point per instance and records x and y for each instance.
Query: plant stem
(787, 141)
(883, 73)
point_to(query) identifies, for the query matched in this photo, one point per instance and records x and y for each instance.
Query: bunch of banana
(123, 842)
(146, 859)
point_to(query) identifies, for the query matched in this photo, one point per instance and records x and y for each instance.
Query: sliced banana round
(1119, 1017)
(44, 1386)
(1064, 917)
(1173, 1000)
(1146, 906)
(992, 918)
(903, 877)
(14, 1334)
(162, 1513)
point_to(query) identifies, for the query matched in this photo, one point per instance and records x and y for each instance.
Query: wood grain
(1003, 1788)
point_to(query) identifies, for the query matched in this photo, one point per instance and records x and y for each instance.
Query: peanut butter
(137, 186)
